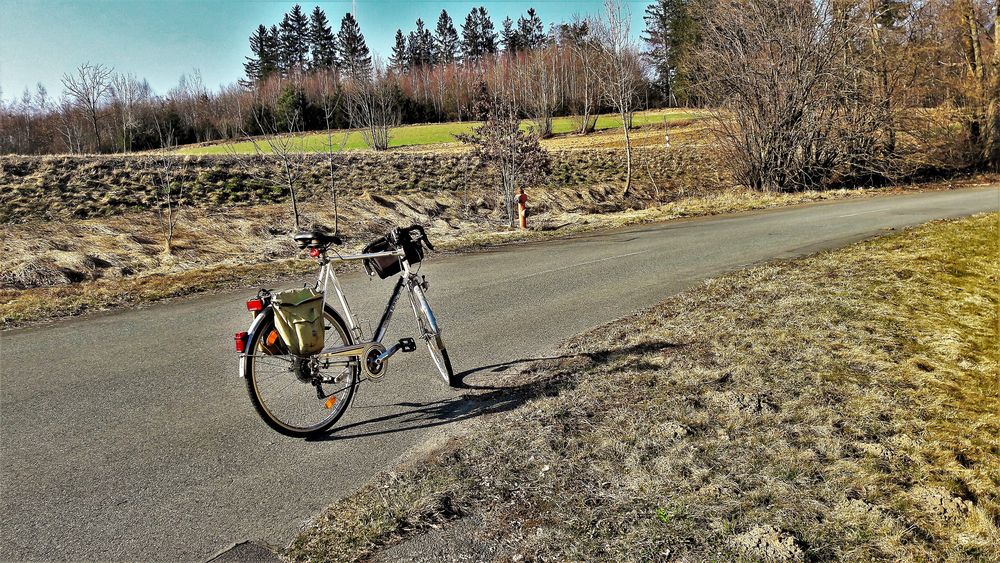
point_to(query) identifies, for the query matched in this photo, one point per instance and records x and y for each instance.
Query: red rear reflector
(241, 341)
(314, 252)
(256, 304)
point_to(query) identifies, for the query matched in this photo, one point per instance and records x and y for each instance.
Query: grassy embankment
(435, 133)
(838, 407)
(81, 233)
(55, 269)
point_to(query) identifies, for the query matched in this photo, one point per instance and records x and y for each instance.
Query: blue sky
(160, 40)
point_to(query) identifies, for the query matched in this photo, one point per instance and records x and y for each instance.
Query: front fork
(426, 331)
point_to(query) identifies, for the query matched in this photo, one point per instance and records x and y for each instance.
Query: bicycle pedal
(407, 345)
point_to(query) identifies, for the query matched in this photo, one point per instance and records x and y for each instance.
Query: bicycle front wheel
(431, 334)
(299, 396)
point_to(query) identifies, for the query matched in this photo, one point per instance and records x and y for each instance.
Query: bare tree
(88, 88)
(798, 110)
(537, 85)
(281, 141)
(882, 75)
(331, 99)
(192, 98)
(587, 77)
(515, 156)
(373, 106)
(169, 190)
(992, 152)
(622, 68)
(982, 83)
(128, 93)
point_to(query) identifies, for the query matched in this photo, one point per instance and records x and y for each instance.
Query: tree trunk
(295, 206)
(974, 66)
(628, 158)
(291, 192)
(168, 247)
(991, 151)
(97, 131)
(882, 80)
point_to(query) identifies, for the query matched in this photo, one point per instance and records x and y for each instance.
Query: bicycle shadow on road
(476, 400)
(509, 385)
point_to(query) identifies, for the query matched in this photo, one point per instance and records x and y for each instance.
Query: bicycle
(306, 395)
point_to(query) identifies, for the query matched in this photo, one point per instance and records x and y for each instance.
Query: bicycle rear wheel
(431, 333)
(298, 396)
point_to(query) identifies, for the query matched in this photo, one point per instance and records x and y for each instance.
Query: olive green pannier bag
(298, 316)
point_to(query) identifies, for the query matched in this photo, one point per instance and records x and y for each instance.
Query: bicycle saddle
(316, 239)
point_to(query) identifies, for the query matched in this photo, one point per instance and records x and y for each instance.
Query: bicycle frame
(351, 353)
(328, 277)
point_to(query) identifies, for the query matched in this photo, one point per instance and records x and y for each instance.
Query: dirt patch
(943, 505)
(768, 543)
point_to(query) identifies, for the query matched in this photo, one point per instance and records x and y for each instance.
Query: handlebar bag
(383, 266)
(298, 317)
(387, 266)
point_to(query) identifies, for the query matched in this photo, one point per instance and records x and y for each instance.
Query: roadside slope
(56, 269)
(836, 407)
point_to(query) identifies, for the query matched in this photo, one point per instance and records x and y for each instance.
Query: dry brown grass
(51, 269)
(79, 187)
(839, 407)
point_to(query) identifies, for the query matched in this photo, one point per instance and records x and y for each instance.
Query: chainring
(374, 370)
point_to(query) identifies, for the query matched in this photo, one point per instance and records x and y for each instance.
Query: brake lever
(423, 236)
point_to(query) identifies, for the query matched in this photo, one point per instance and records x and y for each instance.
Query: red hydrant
(522, 209)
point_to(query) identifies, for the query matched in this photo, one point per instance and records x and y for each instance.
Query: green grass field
(431, 134)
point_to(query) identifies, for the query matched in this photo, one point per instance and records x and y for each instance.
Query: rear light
(255, 305)
(314, 252)
(241, 341)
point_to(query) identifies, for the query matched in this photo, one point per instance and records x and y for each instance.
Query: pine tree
(252, 66)
(421, 46)
(445, 39)
(670, 35)
(294, 38)
(487, 33)
(272, 64)
(355, 58)
(400, 59)
(322, 44)
(509, 37)
(413, 48)
(427, 45)
(265, 53)
(472, 46)
(573, 33)
(531, 30)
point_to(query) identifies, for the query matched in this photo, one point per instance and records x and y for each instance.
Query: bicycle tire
(431, 333)
(260, 404)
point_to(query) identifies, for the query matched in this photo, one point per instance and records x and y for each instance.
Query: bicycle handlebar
(397, 234)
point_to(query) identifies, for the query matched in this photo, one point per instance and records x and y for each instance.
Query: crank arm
(404, 345)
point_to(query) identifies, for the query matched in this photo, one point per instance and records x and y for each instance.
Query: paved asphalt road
(129, 435)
